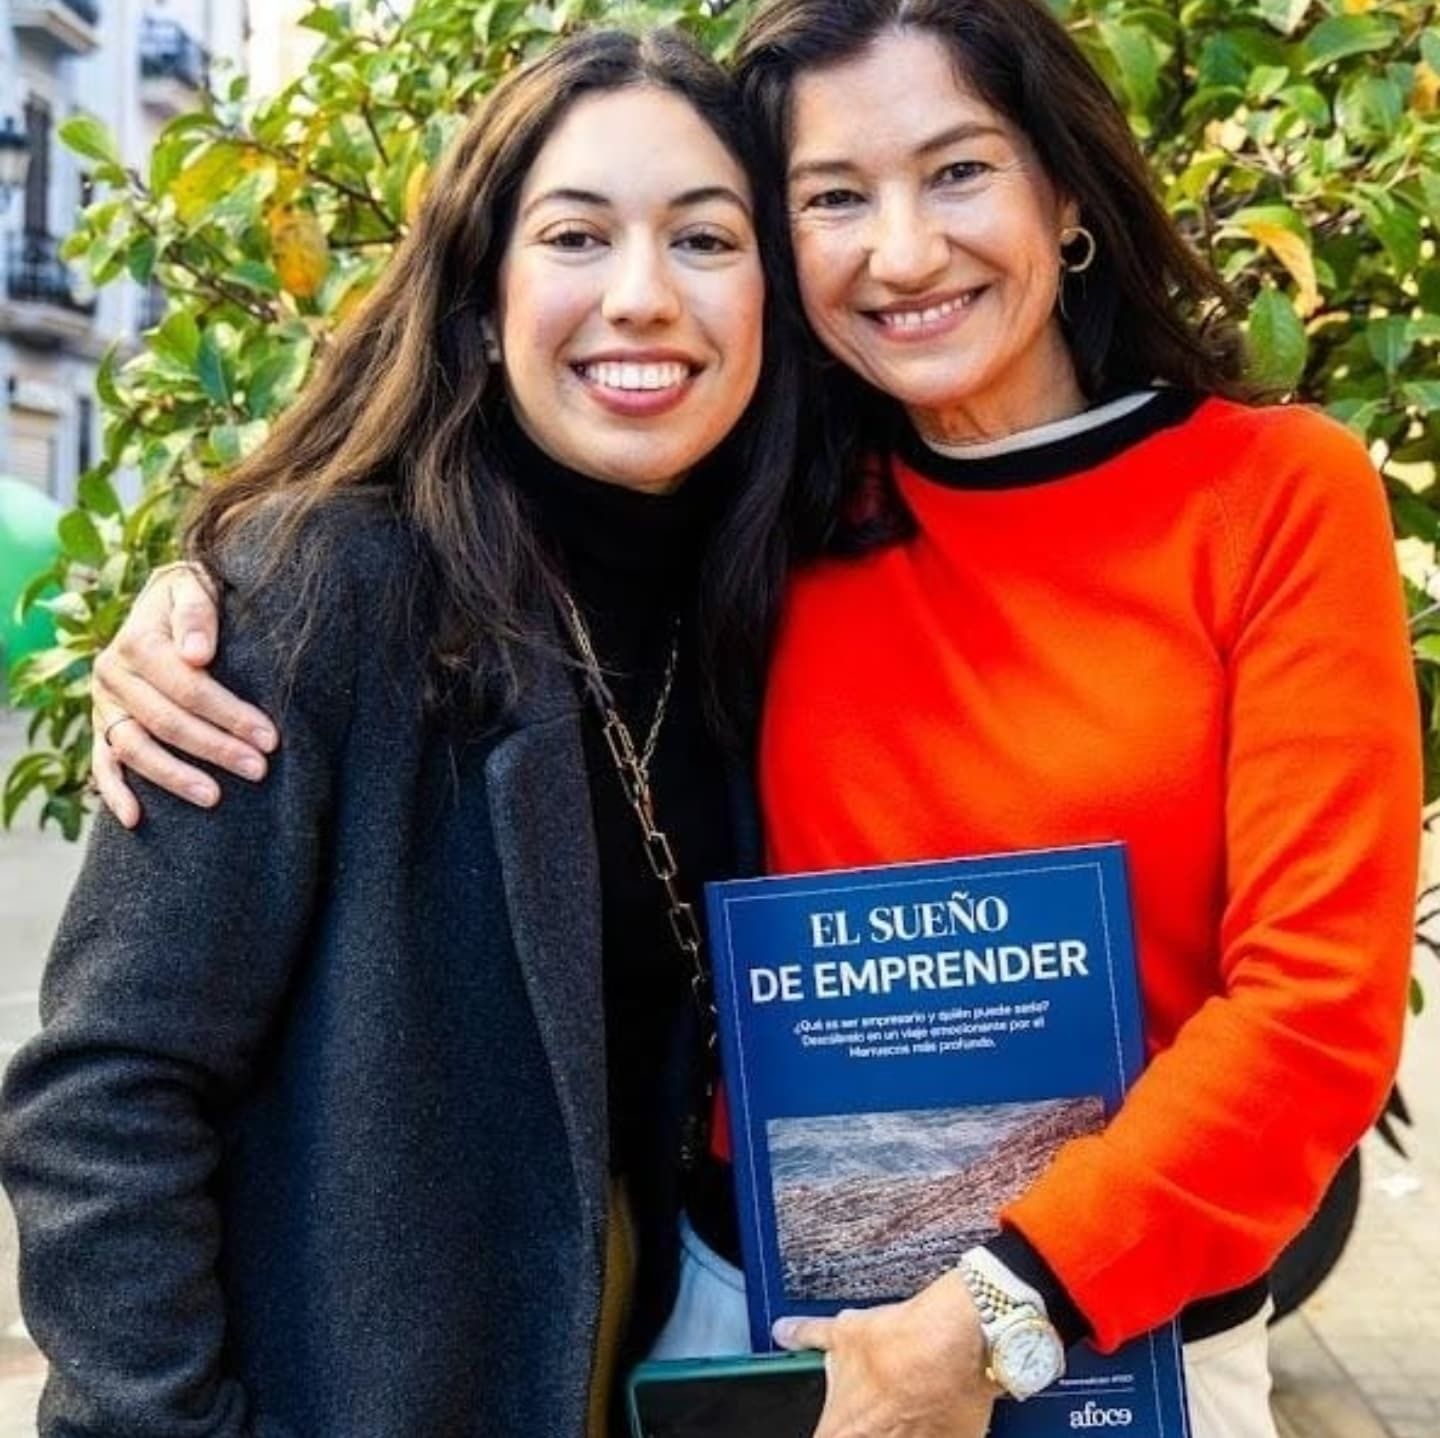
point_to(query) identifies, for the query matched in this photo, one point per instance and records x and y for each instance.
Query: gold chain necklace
(634, 772)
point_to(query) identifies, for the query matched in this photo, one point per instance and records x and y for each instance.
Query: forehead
(904, 84)
(638, 142)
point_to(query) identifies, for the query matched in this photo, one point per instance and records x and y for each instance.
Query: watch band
(997, 1291)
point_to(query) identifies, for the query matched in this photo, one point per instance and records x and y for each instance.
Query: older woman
(1073, 589)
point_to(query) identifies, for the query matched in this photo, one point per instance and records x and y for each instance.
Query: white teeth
(914, 319)
(615, 375)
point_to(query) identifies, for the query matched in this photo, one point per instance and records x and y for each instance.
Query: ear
(491, 337)
(1068, 212)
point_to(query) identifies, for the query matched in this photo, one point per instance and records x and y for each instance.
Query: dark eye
(962, 170)
(832, 200)
(571, 240)
(707, 242)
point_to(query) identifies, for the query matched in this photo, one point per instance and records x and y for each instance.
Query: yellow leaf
(352, 300)
(1358, 7)
(416, 188)
(300, 249)
(1427, 89)
(203, 180)
(1294, 254)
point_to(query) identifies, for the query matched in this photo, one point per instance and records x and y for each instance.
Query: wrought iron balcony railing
(169, 52)
(35, 273)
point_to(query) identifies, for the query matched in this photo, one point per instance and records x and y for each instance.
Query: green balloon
(28, 544)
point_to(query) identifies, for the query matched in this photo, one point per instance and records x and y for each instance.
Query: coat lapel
(544, 834)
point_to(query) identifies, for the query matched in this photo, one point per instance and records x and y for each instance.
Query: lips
(637, 384)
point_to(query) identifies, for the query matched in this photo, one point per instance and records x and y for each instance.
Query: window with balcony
(69, 25)
(36, 274)
(170, 55)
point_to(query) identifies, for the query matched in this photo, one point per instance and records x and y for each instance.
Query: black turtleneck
(632, 562)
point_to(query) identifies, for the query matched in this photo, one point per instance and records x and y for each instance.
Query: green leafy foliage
(1297, 143)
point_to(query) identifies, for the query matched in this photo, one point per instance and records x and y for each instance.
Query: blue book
(905, 1048)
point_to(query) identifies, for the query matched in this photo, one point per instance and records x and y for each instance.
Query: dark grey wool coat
(313, 1142)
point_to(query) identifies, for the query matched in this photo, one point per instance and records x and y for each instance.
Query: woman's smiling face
(631, 291)
(927, 241)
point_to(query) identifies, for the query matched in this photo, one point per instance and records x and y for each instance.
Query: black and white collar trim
(1050, 451)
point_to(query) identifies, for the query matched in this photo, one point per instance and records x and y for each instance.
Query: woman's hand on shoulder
(904, 1370)
(150, 684)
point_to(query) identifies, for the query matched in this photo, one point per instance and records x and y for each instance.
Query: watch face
(1027, 1357)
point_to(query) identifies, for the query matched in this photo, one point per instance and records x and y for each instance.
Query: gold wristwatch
(1023, 1352)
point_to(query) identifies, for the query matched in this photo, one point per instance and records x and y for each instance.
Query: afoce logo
(1094, 1416)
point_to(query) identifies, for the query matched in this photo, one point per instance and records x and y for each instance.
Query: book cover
(905, 1047)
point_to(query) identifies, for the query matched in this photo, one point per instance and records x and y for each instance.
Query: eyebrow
(686, 199)
(965, 130)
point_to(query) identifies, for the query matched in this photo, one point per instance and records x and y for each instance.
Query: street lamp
(14, 160)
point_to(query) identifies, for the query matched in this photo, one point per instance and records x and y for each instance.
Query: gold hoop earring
(1068, 236)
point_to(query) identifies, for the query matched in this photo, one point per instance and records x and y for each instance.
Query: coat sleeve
(1224, 1147)
(167, 975)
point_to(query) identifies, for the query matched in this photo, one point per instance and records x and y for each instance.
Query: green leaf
(45, 666)
(1344, 35)
(88, 137)
(1266, 82)
(1307, 102)
(1284, 15)
(140, 260)
(323, 21)
(1423, 393)
(1389, 341)
(97, 494)
(277, 377)
(1430, 48)
(1278, 345)
(1413, 518)
(1430, 186)
(178, 339)
(1135, 53)
(212, 370)
(1395, 224)
(255, 275)
(66, 812)
(80, 539)
(1370, 108)
(105, 379)
(232, 443)
(29, 773)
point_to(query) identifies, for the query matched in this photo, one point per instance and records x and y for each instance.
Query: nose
(908, 249)
(641, 291)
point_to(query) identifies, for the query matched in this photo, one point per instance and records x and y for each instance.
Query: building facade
(132, 64)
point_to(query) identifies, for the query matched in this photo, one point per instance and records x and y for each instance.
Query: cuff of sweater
(1020, 1257)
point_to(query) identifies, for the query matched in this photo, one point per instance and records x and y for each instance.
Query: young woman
(318, 1137)
(1075, 591)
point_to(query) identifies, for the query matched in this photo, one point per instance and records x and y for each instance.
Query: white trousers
(1227, 1375)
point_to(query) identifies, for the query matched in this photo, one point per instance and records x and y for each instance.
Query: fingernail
(193, 645)
(199, 794)
(782, 1329)
(252, 768)
(265, 739)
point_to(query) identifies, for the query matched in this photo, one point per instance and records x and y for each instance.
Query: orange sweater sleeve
(1225, 1145)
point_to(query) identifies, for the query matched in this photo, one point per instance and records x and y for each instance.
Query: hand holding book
(916, 1367)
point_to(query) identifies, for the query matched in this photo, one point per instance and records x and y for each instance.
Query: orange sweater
(1194, 643)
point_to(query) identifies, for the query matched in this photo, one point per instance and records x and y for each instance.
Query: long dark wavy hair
(404, 407)
(1148, 309)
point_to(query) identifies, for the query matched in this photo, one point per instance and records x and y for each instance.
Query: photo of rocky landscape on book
(873, 1206)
